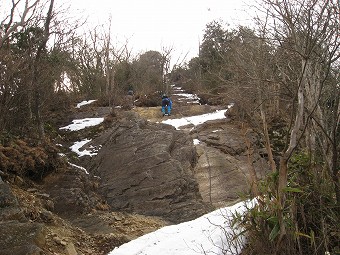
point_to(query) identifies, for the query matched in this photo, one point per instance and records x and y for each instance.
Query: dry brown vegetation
(18, 157)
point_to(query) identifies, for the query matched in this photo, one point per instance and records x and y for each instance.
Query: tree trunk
(283, 168)
(253, 177)
(336, 148)
(107, 62)
(37, 83)
(266, 134)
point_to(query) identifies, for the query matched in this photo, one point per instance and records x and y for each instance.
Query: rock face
(148, 168)
(21, 238)
(17, 235)
(223, 168)
(10, 209)
(72, 192)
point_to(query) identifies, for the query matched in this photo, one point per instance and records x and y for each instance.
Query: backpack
(165, 101)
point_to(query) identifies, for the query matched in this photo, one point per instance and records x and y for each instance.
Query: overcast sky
(153, 24)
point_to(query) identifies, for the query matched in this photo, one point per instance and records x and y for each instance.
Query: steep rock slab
(148, 169)
(221, 177)
(223, 168)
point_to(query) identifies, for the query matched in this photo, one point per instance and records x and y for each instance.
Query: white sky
(153, 24)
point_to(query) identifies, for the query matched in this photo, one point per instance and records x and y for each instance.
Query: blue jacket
(166, 102)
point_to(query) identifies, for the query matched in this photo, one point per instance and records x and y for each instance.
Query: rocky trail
(144, 175)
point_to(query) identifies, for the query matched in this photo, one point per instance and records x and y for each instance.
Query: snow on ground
(189, 98)
(79, 167)
(77, 145)
(196, 141)
(209, 234)
(195, 120)
(79, 124)
(85, 103)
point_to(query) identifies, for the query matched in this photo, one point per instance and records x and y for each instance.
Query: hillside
(142, 175)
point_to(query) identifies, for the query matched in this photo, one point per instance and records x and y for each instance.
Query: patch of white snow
(79, 124)
(85, 103)
(76, 148)
(195, 120)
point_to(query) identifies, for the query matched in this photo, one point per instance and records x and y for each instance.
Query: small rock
(49, 205)
(47, 216)
(32, 190)
(214, 137)
(58, 240)
(70, 249)
(18, 180)
(117, 218)
(43, 195)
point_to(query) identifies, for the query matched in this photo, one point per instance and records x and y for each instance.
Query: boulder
(9, 205)
(148, 169)
(73, 193)
(21, 238)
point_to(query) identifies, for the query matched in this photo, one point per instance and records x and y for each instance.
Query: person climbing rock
(166, 105)
(129, 100)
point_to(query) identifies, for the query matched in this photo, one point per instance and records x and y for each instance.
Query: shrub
(19, 158)
(310, 214)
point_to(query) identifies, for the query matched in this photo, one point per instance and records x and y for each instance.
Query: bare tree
(166, 58)
(35, 72)
(310, 31)
(8, 24)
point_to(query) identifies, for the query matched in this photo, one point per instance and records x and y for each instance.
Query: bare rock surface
(223, 168)
(21, 238)
(147, 168)
(9, 206)
(73, 193)
(17, 235)
(145, 175)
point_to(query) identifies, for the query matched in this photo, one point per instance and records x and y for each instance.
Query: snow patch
(85, 103)
(196, 120)
(79, 124)
(212, 233)
(196, 141)
(77, 145)
(79, 167)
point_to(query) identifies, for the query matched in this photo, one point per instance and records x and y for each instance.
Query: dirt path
(184, 105)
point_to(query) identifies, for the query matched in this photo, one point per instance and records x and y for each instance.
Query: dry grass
(154, 114)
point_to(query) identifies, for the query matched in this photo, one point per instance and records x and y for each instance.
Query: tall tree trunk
(107, 62)
(265, 132)
(253, 177)
(336, 148)
(283, 168)
(36, 81)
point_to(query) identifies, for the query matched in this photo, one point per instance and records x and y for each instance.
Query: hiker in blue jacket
(166, 105)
